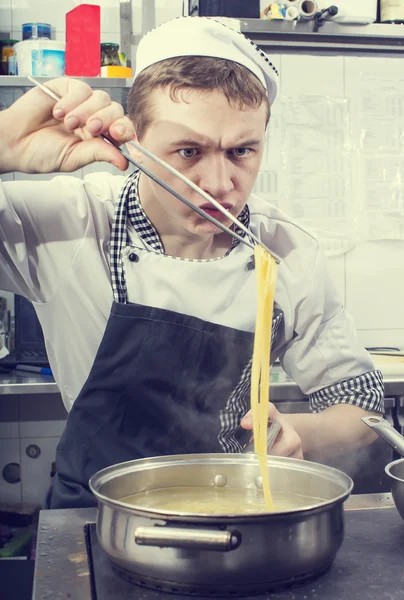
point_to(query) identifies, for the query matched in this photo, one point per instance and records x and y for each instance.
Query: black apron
(162, 382)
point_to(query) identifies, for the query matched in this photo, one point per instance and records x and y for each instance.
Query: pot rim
(388, 468)
(115, 471)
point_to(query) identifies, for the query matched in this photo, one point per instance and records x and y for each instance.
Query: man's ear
(135, 154)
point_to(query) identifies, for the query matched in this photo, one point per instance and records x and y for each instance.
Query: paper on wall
(317, 162)
(337, 165)
(378, 137)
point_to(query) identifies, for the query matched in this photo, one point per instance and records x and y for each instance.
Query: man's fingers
(288, 443)
(122, 130)
(97, 114)
(247, 420)
(93, 150)
(298, 454)
(72, 93)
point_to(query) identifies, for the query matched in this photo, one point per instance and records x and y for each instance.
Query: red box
(83, 41)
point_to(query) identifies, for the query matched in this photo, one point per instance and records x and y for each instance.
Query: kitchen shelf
(94, 82)
(331, 36)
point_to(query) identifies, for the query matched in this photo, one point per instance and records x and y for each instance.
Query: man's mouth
(214, 212)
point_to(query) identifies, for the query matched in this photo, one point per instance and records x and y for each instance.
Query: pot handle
(387, 432)
(190, 539)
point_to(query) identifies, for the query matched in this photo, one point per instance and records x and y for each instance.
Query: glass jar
(110, 55)
(35, 31)
(392, 11)
(6, 51)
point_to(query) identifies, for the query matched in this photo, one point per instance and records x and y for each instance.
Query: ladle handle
(387, 432)
(273, 431)
(189, 539)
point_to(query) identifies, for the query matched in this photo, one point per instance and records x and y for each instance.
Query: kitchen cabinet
(32, 418)
(37, 456)
(10, 484)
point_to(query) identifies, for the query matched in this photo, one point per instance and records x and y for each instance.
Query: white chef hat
(205, 36)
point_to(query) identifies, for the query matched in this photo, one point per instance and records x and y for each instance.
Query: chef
(148, 310)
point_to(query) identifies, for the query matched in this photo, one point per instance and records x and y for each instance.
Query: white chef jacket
(54, 249)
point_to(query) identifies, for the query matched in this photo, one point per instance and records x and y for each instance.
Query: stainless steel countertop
(282, 387)
(22, 382)
(62, 570)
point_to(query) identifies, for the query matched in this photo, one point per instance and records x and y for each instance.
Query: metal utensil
(386, 431)
(273, 431)
(395, 469)
(221, 555)
(184, 179)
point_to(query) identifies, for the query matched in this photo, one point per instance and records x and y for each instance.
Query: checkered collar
(130, 211)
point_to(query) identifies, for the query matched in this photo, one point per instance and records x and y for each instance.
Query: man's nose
(215, 177)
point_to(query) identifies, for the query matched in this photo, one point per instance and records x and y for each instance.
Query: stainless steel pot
(219, 555)
(395, 469)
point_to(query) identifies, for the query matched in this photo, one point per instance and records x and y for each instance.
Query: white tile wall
(5, 15)
(370, 278)
(27, 11)
(312, 75)
(375, 285)
(167, 10)
(54, 12)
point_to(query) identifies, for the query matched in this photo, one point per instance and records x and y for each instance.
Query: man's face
(215, 145)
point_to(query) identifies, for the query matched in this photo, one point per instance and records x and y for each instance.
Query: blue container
(34, 31)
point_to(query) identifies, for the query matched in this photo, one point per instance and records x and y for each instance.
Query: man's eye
(241, 152)
(188, 152)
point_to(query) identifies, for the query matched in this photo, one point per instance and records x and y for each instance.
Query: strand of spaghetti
(262, 427)
(263, 334)
(269, 278)
(263, 399)
(256, 363)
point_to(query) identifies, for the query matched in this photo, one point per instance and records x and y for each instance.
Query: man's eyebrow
(189, 142)
(195, 142)
(252, 142)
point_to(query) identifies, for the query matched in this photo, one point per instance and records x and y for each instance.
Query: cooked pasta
(266, 269)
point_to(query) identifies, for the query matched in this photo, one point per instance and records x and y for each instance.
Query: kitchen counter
(62, 569)
(22, 382)
(282, 386)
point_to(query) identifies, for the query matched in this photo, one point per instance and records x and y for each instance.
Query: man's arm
(332, 432)
(41, 136)
(36, 138)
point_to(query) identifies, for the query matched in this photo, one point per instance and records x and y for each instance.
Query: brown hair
(240, 86)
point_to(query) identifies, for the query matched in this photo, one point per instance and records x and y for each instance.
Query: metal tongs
(272, 433)
(184, 179)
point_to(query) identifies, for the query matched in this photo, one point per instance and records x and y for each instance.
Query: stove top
(369, 566)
